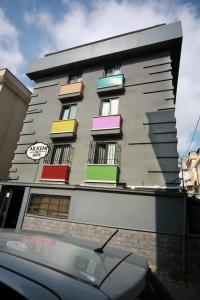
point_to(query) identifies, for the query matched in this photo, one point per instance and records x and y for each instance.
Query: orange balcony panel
(71, 90)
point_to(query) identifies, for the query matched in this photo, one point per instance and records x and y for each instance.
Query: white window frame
(116, 69)
(109, 100)
(70, 110)
(77, 77)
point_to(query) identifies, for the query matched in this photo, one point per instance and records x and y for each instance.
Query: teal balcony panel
(111, 82)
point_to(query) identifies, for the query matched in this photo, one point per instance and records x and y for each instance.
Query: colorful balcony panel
(55, 173)
(102, 173)
(71, 90)
(105, 125)
(110, 83)
(63, 128)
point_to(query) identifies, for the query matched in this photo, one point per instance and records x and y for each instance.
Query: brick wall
(163, 251)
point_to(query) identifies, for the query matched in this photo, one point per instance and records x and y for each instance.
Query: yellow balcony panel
(71, 90)
(63, 128)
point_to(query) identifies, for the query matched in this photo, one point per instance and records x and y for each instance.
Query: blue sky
(31, 28)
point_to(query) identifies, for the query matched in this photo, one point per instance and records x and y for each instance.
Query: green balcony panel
(102, 173)
(110, 81)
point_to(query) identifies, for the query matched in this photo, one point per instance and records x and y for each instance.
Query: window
(105, 153)
(69, 112)
(59, 154)
(109, 107)
(72, 78)
(112, 70)
(51, 206)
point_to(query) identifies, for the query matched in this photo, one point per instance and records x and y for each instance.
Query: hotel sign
(37, 151)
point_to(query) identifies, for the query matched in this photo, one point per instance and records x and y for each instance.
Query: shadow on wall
(162, 136)
(169, 205)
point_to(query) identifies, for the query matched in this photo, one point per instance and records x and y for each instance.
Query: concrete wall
(147, 109)
(12, 113)
(137, 211)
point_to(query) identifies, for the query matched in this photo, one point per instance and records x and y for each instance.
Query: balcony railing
(103, 162)
(104, 153)
(71, 90)
(107, 83)
(64, 127)
(57, 163)
(59, 154)
(106, 125)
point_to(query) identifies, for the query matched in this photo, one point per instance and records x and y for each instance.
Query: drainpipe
(184, 242)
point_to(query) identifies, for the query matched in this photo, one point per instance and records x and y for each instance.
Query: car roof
(74, 258)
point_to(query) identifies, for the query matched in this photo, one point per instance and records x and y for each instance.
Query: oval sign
(37, 151)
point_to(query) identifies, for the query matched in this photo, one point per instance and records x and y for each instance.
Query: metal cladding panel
(62, 126)
(102, 173)
(55, 172)
(106, 122)
(110, 81)
(132, 41)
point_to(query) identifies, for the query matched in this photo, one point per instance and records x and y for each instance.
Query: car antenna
(100, 250)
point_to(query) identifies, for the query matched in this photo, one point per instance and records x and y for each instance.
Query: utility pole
(183, 184)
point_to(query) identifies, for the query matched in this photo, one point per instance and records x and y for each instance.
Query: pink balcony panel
(106, 122)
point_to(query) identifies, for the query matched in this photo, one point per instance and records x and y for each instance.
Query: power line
(192, 137)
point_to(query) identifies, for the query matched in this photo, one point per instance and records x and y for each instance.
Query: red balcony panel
(56, 172)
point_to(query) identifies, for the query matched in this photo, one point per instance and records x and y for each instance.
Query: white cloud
(106, 18)
(10, 55)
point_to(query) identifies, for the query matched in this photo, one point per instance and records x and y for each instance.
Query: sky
(31, 28)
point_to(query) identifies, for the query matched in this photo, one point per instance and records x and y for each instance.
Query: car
(36, 265)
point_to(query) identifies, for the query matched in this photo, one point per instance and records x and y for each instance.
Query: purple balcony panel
(106, 122)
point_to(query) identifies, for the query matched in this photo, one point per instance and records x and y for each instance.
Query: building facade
(105, 112)
(197, 167)
(14, 99)
(191, 172)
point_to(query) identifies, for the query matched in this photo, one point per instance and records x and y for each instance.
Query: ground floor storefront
(152, 224)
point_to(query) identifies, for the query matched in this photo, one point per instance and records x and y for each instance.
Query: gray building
(106, 112)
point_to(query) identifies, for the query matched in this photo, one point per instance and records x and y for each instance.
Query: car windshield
(75, 261)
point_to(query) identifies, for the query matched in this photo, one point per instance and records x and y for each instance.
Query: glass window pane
(100, 155)
(56, 157)
(65, 155)
(52, 213)
(109, 71)
(52, 206)
(75, 78)
(72, 78)
(54, 200)
(117, 69)
(65, 115)
(105, 108)
(72, 113)
(79, 78)
(114, 106)
(63, 202)
(111, 154)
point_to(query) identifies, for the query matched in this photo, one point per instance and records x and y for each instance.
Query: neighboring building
(191, 171)
(14, 99)
(197, 167)
(184, 174)
(106, 110)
